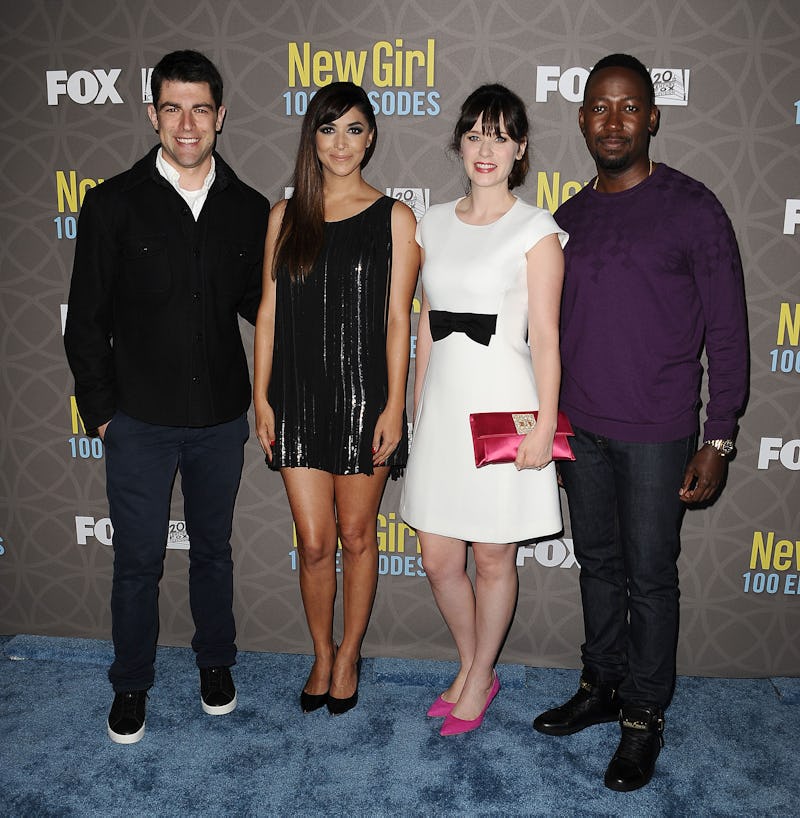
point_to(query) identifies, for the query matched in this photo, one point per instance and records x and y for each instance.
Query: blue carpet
(730, 745)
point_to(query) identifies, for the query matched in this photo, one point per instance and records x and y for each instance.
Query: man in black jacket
(167, 254)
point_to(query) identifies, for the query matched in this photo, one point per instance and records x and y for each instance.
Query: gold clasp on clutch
(524, 422)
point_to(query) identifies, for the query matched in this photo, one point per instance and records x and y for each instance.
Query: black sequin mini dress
(329, 378)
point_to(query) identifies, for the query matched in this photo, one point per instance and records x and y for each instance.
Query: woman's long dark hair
(301, 234)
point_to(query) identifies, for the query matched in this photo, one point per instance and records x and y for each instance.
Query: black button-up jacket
(152, 325)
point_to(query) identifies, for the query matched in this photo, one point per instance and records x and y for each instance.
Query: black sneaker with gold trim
(592, 704)
(642, 738)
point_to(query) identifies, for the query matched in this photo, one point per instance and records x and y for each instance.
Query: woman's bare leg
(357, 498)
(310, 493)
(445, 562)
(496, 587)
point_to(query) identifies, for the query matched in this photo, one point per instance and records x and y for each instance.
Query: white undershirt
(194, 198)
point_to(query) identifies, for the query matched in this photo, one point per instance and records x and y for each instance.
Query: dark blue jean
(626, 517)
(141, 463)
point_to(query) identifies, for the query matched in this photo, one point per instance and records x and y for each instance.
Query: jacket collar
(145, 170)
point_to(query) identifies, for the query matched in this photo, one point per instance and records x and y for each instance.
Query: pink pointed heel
(440, 708)
(453, 725)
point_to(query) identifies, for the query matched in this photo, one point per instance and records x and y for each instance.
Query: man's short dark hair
(186, 66)
(624, 61)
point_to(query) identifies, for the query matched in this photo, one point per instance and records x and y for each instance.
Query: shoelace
(634, 743)
(130, 703)
(214, 680)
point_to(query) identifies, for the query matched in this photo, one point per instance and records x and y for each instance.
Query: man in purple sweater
(652, 275)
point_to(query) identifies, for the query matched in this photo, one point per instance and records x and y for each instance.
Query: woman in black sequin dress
(331, 362)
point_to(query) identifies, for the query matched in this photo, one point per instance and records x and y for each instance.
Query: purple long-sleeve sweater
(652, 274)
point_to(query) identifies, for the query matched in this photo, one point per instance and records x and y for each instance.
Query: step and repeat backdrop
(75, 83)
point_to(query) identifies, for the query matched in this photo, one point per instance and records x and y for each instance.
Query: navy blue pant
(626, 517)
(141, 463)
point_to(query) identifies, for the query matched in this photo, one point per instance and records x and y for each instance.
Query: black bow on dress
(480, 327)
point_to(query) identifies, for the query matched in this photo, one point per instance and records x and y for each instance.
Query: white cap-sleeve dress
(478, 269)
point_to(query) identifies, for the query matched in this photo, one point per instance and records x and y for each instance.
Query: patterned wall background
(73, 77)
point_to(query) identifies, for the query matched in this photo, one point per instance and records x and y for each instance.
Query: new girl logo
(399, 79)
(385, 65)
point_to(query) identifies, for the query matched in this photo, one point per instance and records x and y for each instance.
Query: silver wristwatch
(724, 447)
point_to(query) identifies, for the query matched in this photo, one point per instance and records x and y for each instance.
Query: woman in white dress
(487, 341)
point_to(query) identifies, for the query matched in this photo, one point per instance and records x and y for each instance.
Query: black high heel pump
(309, 702)
(338, 706)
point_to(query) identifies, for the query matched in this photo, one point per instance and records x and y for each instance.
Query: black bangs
(336, 99)
(495, 103)
(492, 115)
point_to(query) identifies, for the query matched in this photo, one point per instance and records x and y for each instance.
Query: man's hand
(703, 476)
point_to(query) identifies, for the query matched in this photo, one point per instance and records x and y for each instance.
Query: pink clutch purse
(496, 436)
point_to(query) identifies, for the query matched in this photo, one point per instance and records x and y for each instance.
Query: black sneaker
(642, 738)
(592, 704)
(217, 690)
(126, 719)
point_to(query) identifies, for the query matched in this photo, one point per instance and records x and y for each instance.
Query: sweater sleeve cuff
(719, 430)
